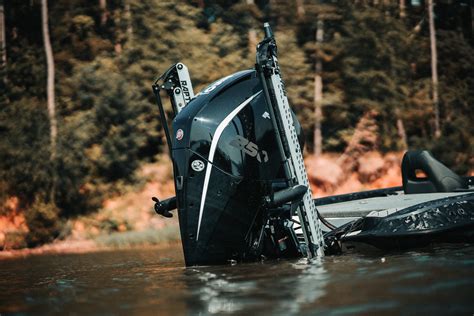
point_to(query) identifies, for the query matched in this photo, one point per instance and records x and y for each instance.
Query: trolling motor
(242, 192)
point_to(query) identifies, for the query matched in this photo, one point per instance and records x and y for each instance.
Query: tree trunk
(363, 140)
(252, 34)
(402, 9)
(401, 130)
(201, 4)
(300, 11)
(434, 68)
(104, 13)
(128, 17)
(3, 43)
(50, 90)
(118, 32)
(318, 91)
(252, 40)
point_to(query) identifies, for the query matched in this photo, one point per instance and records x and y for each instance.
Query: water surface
(437, 280)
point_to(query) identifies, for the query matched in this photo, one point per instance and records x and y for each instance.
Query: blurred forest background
(359, 74)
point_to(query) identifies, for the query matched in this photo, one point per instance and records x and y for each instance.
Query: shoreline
(78, 247)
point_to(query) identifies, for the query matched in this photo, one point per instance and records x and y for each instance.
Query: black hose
(325, 222)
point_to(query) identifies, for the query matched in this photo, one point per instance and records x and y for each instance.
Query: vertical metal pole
(275, 94)
(164, 123)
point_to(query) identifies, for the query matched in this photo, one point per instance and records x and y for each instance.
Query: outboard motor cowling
(222, 148)
(242, 191)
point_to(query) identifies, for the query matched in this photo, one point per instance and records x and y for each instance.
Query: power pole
(434, 68)
(318, 90)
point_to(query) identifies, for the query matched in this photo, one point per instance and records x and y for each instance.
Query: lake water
(431, 281)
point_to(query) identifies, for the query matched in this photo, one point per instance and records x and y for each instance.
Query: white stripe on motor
(212, 151)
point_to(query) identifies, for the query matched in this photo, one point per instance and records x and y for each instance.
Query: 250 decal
(249, 148)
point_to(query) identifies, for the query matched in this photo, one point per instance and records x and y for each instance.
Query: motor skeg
(225, 160)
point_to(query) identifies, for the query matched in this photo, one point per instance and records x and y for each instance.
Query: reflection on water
(263, 287)
(146, 281)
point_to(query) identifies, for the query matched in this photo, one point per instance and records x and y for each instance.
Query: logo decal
(212, 151)
(266, 115)
(197, 165)
(249, 148)
(179, 134)
(187, 95)
(214, 85)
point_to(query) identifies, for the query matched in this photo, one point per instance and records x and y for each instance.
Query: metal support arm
(287, 139)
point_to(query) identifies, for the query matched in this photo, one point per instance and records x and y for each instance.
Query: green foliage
(43, 222)
(456, 147)
(375, 68)
(372, 61)
(129, 239)
(24, 149)
(112, 108)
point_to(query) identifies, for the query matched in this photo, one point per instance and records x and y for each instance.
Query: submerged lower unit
(231, 223)
(211, 232)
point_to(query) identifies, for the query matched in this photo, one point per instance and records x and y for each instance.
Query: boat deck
(343, 212)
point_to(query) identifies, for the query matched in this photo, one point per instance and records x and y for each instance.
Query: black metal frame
(266, 66)
(167, 82)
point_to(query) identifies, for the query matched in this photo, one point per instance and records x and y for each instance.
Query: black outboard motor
(222, 146)
(239, 174)
(221, 151)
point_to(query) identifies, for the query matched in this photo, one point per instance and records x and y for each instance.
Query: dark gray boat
(242, 189)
